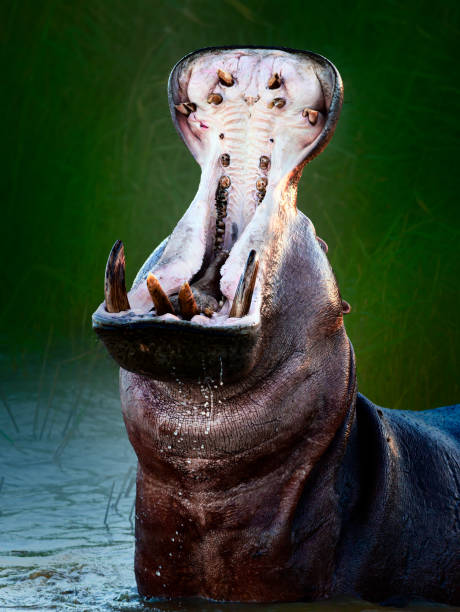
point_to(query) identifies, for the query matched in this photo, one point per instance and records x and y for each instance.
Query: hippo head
(236, 369)
(242, 283)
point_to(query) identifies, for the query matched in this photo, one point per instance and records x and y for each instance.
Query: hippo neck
(281, 504)
(237, 544)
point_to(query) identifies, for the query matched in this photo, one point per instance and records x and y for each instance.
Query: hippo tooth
(274, 81)
(187, 303)
(311, 114)
(214, 98)
(277, 102)
(116, 298)
(159, 297)
(225, 78)
(245, 289)
(185, 108)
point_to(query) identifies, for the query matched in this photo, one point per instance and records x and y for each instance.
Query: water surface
(67, 490)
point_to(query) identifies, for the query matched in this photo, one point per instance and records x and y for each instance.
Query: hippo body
(263, 475)
(400, 504)
(377, 515)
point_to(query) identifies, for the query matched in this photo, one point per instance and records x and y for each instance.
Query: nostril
(346, 308)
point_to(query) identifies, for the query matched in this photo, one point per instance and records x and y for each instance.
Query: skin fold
(263, 474)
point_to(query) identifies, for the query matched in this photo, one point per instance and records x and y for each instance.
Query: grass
(90, 155)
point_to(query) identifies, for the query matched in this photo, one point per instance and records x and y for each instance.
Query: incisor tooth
(159, 297)
(116, 298)
(186, 108)
(214, 98)
(245, 289)
(187, 303)
(274, 81)
(311, 114)
(225, 78)
(277, 102)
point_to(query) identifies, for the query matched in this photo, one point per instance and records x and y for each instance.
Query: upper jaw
(252, 118)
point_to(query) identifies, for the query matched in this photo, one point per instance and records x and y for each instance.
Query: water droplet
(158, 573)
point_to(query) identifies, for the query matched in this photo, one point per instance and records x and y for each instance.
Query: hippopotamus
(263, 475)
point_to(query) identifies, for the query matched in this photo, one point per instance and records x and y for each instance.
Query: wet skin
(263, 475)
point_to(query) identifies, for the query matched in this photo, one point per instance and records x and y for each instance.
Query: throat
(208, 535)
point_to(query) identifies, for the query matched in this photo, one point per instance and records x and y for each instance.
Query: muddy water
(67, 491)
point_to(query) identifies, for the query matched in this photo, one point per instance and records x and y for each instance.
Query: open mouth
(252, 118)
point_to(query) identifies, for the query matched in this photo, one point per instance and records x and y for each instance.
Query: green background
(89, 154)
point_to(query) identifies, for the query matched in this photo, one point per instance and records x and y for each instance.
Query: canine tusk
(116, 298)
(159, 297)
(245, 289)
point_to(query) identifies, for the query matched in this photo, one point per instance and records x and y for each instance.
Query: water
(67, 491)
